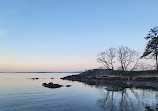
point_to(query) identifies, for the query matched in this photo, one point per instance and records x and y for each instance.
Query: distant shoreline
(42, 72)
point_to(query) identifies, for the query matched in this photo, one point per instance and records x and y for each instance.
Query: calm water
(17, 93)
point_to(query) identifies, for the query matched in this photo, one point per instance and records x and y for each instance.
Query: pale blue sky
(66, 35)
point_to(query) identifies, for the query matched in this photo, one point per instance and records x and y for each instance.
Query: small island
(120, 79)
(124, 67)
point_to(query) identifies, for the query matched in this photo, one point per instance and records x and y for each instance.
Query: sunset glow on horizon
(66, 36)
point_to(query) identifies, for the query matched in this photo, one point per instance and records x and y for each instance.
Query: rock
(51, 78)
(51, 85)
(68, 85)
(44, 84)
(33, 78)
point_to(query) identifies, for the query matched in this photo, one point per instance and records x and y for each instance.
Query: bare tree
(111, 54)
(136, 61)
(107, 58)
(127, 57)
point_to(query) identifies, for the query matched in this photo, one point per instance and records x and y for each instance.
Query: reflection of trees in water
(129, 100)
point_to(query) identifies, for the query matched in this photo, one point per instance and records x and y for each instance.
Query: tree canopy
(151, 50)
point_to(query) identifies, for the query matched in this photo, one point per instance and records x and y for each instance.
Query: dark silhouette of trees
(151, 50)
(107, 58)
(126, 57)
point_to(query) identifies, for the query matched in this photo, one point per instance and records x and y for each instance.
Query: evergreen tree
(151, 50)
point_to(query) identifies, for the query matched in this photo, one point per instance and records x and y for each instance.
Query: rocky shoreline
(103, 77)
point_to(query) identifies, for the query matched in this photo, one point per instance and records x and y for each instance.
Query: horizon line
(47, 72)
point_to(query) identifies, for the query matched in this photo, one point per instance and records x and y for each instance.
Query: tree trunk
(156, 54)
(112, 66)
(156, 62)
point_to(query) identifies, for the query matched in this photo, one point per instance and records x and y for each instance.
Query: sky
(67, 35)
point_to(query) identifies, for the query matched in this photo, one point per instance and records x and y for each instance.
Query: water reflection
(16, 90)
(125, 97)
(129, 100)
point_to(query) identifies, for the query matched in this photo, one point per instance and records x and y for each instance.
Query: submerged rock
(51, 85)
(33, 78)
(68, 85)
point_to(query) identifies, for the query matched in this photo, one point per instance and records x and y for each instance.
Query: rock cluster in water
(51, 85)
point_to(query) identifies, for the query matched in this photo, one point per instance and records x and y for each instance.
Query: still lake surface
(17, 93)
